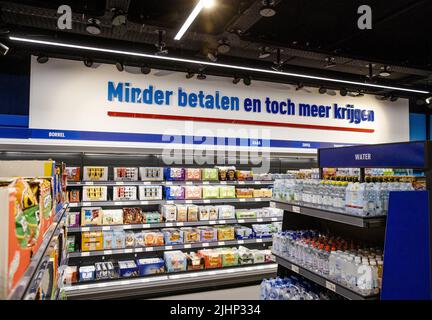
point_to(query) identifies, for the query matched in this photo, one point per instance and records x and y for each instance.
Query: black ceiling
(307, 32)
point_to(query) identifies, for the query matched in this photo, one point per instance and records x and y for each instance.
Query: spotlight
(212, 56)
(201, 76)
(93, 26)
(145, 69)
(264, 53)
(236, 80)
(385, 72)
(322, 90)
(190, 75)
(3, 49)
(119, 18)
(428, 100)
(88, 63)
(119, 66)
(299, 86)
(267, 10)
(330, 62)
(393, 98)
(223, 47)
(42, 59)
(247, 81)
(343, 92)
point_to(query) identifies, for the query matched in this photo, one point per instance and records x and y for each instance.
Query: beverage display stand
(405, 233)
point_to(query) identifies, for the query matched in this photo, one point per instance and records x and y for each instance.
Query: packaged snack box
(227, 192)
(104, 270)
(231, 175)
(258, 256)
(193, 192)
(94, 193)
(112, 217)
(174, 174)
(151, 173)
(125, 174)
(225, 233)
(172, 236)
(245, 255)
(74, 195)
(262, 230)
(92, 240)
(129, 239)
(174, 193)
(73, 173)
(226, 212)
(70, 244)
(245, 214)
(73, 219)
(203, 213)
(243, 175)
(132, 215)
(230, 257)
(153, 238)
(87, 273)
(244, 192)
(194, 261)
(210, 192)
(119, 241)
(208, 234)
(108, 238)
(91, 216)
(190, 235)
(210, 174)
(193, 174)
(95, 173)
(150, 266)
(139, 239)
(192, 212)
(124, 193)
(175, 261)
(182, 212)
(150, 192)
(152, 217)
(127, 269)
(242, 232)
(169, 212)
(213, 212)
(212, 258)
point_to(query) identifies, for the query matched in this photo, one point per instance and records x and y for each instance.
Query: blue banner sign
(393, 155)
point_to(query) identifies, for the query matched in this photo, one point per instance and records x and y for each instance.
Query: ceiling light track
(214, 64)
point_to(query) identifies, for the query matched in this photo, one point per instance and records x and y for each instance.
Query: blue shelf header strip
(397, 155)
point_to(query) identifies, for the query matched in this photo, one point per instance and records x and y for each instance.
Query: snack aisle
(352, 245)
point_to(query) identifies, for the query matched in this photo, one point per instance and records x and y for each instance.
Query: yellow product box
(225, 233)
(92, 241)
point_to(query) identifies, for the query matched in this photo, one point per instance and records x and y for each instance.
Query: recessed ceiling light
(322, 90)
(264, 53)
(119, 18)
(330, 62)
(385, 72)
(267, 10)
(223, 47)
(88, 63)
(343, 92)
(42, 59)
(190, 75)
(93, 26)
(145, 69)
(247, 81)
(218, 65)
(201, 76)
(236, 80)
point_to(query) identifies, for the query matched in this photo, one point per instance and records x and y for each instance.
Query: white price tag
(206, 182)
(108, 252)
(148, 249)
(223, 182)
(242, 199)
(259, 240)
(128, 250)
(205, 244)
(331, 286)
(85, 254)
(170, 202)
(260, 220)
(169, 224)
(258, 199)
(189, 183)
(180, 224)
(118, 203)
(272, 205)
(241, 221)
(241, 182)
(222, 221)
(274, 219)
(240, 241)
(86, 204)
(145, 226)
(295, 209)
(127, 226)
(85, 229)
(144, 202)
(105, 228)
(168, 183)
(188, 201)
(168, 247)
(119, 183)
(139, 249)
(73, 205)
(89, 183)
(221, 243)
(295, 268)
(146, 183)
(257, 182)
(212, 222)
(206, 201)
(187, 246)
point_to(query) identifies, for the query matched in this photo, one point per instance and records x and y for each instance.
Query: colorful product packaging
(172, 236)
(127, 269)
(193, 174)
(210, 192)
(193, 192)
(108, 239)
(150, 192)
(174, 174)
(192, 212)
(245, 214)
(244, 192)
(225, 233)
(208, 234)
(87, 273)
(229, 257)
(182, 212)
(132, 215)
(195, 262)
(175, 261)
(74, 195)
(92, 240)
(112, 217)
(125, 174)
(150, 266)
(73, 219)
(95, 173)
(190, 235)
(244, 175)
(153, 238)
(151, 173)
(227, 192)
(169, 212)
(124, 193)
(91, 216)
(119, 239)
(203, 213)
(175, 193)
(210, 174)
(213, 212)
(94, 193)
(212, 258)
(242, 232)
(73, 174)
(226, 212)
(129, 239)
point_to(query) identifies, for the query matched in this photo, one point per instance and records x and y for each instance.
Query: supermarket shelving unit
(27, 287)
(405, 232)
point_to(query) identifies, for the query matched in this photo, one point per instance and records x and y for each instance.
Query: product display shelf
(323, 281)
(170, 224)
(153, 202)
(163, 284)
(331, 215)
(166, 183)
(26, 288)
(168, 247)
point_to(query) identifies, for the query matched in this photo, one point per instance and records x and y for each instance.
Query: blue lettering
(115, 92)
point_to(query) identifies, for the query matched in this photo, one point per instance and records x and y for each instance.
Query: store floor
(244, 293)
